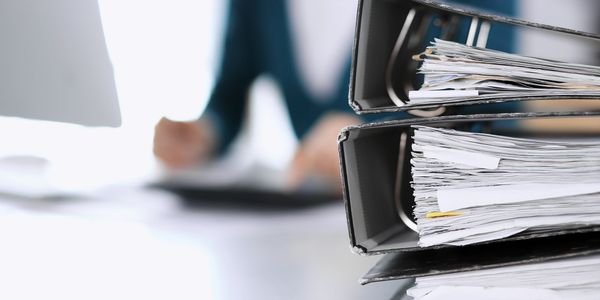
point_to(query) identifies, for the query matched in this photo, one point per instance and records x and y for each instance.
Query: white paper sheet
(454, 199)
(452, 70)
(467, 158)
(568, 278)
(500, 186)
(412, 95)
(480, 293)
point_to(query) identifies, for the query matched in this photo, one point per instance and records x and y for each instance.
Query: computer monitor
(54, 63)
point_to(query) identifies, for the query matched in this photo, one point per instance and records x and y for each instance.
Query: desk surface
(133, 243)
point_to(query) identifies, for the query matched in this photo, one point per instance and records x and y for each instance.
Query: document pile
(474, 187)
(574, 278)
(458, 73)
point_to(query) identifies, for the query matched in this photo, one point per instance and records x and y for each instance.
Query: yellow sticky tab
(437, 214)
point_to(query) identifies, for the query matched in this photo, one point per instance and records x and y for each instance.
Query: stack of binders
(476, 204)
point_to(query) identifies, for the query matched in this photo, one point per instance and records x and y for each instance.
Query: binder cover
(471, 258)
(385, 26)
(375, 164)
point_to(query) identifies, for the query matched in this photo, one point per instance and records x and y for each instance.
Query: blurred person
(307, 54)
(305, 46)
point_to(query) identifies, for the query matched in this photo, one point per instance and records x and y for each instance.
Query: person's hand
(318, 152)
(183, 144)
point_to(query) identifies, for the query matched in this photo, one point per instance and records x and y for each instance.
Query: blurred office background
(164, 56)
(111, 238)
(579, 15)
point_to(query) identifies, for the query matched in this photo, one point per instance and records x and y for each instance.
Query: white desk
(130, 243)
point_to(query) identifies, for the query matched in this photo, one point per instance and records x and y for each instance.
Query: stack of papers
(474, 187)
(575, 278)
(455, 73)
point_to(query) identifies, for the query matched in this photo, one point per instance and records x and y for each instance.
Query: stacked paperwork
(455, 72)
(573, 278)
(474, 187)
